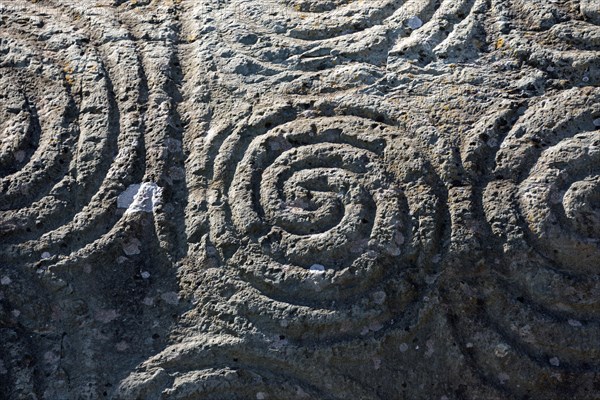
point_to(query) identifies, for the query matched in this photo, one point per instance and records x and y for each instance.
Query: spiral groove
(540, 311)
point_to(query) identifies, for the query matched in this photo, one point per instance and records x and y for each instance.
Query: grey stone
(300, 199)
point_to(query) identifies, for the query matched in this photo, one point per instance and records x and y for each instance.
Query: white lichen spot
(5, 281)
(145, 274)
(170, 298)
(309, 114)
(597, 122)
(106, 316)
(393, 250)
(125, 199)
(379, 297)
(554, 361)
(132, 247)
(122, 346)
(19, 156)
(527, 334)
(345, 326)
(376, 363)
(469, 345)
(278, 342)
(261, 396)
(375, 327)
(575, 323)
(212, 197)
(372, 327)
(51, 357)
(317, 269)
(399, 238)
(403, 347)
(430, 279)
(173, 145)
(16, 313)
(142, 197)
(46, 255)
(430, 348)
(501, 350)
(148, 301)
(358, 246)
(414, 22)
(300, 393)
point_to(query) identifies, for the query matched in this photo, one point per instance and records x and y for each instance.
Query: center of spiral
(313, 202)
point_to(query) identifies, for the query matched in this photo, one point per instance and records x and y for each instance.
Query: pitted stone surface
(298, 199)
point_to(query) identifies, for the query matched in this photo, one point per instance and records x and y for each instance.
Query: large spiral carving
(323, 230)
(538, 309)
(314, 212)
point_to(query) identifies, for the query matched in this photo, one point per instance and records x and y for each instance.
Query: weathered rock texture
(298, 199)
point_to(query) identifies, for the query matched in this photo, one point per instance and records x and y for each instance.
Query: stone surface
(298, 199)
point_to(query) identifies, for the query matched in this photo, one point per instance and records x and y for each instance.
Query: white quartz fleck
(142, 197)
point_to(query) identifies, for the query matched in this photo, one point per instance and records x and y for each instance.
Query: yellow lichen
(68, 69)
